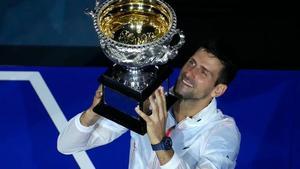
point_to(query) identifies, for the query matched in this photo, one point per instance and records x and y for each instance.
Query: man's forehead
(207, 59)
(203, 54)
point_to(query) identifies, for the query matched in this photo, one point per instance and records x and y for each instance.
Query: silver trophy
(140, 37)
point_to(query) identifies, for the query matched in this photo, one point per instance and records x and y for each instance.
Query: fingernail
(161, 88)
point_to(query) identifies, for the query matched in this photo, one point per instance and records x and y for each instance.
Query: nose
(189, 72)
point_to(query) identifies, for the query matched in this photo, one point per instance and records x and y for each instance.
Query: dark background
(58, 33)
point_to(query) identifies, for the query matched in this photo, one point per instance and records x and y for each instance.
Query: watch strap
(165, 144)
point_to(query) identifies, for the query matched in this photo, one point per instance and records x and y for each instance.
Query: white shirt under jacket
(209, 140)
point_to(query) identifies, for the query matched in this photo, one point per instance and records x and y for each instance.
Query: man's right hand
(89, 117)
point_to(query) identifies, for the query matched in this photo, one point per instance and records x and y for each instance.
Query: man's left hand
(156, 122)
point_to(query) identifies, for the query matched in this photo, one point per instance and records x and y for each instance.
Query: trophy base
(138, 84)
(131, 88)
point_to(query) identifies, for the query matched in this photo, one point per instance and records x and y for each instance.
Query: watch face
(168, 143)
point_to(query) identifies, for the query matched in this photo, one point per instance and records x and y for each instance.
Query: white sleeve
(75, 137)
(176, 162)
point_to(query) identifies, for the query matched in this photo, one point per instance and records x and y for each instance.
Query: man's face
(198, 76)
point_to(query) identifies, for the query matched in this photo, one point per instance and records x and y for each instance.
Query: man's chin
(181, 94)
(178, 94)
(180, 90)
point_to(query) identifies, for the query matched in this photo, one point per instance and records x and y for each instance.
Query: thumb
(97, 98)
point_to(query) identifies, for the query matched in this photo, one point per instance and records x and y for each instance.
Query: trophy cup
(139, 37)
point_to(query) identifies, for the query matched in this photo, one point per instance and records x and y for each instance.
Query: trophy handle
(172, 48)
(92, 13)
(180, 42)
(98, 2)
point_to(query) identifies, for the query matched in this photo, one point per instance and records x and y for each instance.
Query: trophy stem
(137, 78)
(134, 70)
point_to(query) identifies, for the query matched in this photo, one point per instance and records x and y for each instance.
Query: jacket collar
(202, 116)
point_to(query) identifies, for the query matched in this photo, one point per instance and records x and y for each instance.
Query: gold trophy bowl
(135, 22)
(137, 33)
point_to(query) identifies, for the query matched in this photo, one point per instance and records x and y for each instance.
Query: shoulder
(224, 134)
(222, 141)
(225, 126)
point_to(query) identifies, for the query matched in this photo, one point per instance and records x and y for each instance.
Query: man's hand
(156, 122)
(89, 117)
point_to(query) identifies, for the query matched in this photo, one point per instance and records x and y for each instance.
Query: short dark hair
(226, 54)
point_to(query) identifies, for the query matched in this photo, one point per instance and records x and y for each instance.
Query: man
(192, 134)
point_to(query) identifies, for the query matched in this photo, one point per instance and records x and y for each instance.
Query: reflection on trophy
(140, 37)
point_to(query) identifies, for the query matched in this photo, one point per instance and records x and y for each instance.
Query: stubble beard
(188, 93)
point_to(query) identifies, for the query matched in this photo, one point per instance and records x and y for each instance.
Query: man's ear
(219, 90)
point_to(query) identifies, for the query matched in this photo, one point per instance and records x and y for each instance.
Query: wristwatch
(165, 144)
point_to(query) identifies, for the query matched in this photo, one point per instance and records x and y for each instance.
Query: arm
(87, 130)
(221, 149)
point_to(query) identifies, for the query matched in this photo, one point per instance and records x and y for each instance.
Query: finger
(97, 99)
(100, 87)
(159, 104)
(98, 94)
(162, 93)
(142, 114)
(153, 107)
(162, 100)
(99, 91)
(164, 103)
(146, 106)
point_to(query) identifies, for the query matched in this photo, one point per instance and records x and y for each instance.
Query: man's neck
(189, 107)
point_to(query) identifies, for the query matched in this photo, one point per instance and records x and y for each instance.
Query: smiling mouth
(187, 83)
